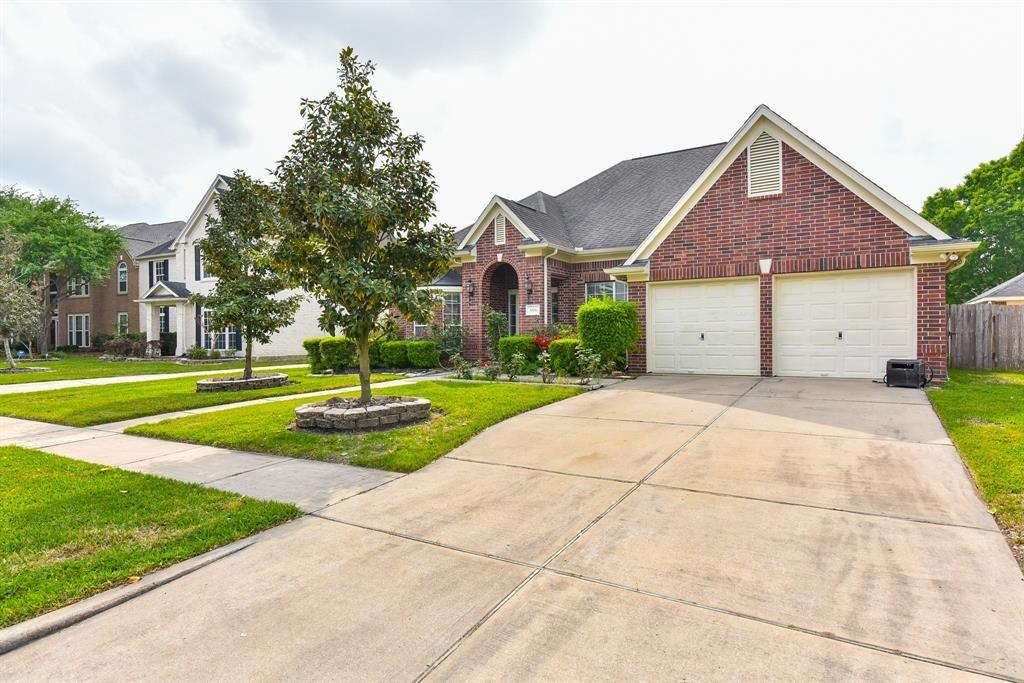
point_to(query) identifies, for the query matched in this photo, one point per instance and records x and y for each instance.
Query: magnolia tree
(239, 249)
(357, 198)
(19, 306)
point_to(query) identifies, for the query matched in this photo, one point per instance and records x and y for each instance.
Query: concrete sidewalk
(30, 387)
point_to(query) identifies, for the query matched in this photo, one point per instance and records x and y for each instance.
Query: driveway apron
(697, 528)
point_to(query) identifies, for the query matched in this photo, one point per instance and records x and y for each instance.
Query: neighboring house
(173, 271)
(1009, 293)
(765, 255)
(87, 309)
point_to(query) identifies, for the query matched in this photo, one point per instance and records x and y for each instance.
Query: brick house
(85, 309)
(765, 255)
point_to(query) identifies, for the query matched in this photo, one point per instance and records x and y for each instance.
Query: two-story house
(84, 309)
(172, 271)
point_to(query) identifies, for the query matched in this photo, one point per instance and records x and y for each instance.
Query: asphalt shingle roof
(141, 238)
(178, 288)
(1012, 287)
(162, 249)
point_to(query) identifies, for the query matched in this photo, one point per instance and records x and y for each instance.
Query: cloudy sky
(132, 108)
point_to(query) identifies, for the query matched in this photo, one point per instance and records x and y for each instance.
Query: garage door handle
(840, 335)
(702, 336)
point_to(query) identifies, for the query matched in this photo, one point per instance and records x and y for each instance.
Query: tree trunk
(247, 373)
(363, 344)
(45, 315)
(8, 354)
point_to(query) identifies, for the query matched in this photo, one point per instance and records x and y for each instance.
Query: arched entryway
(500, 285)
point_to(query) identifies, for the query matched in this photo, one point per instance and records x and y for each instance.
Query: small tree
(609, 328)
(495, 327)
(357, 199)
(19, 306)
(58, 240)
(238, 250)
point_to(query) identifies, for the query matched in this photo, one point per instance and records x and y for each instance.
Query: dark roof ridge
(676, 151)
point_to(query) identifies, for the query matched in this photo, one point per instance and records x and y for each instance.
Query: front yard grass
(85, 406)
(464, 409)
(89, 367)
(984, 415)
(69, 529)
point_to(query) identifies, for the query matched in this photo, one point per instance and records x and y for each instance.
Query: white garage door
(705, 327)
(844, 325)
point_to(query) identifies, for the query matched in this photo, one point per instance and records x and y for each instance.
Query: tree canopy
(239, 249)
(988, 206)
(357, 198)
(19, 306)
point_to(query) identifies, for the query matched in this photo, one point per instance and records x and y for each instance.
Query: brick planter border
(278, 379)
(322, 416)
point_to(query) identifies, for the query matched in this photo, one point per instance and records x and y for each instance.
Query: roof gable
(220, 182)
(495, 206)
(765, 120)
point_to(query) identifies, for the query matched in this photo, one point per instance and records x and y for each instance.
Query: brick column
(637, 292)
(932, 331)
(766, 325)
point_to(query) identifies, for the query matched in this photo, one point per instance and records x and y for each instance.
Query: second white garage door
(844, 325)
(705, 327)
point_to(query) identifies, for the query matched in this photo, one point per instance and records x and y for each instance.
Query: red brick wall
(815, 224)
(638, 359)
(932, 333)
(102, 304)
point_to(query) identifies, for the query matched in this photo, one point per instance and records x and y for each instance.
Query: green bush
(316, 361)
(423, 354)
(376, 360)
(197, 353)
(507, 346)
(67, 348)
(338, 353)
(563, 356)
(609, 328)
(395, 354)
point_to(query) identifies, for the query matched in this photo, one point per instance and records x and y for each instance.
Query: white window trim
(444, 305)
(778, 152)
(219, 340)
(156, 271)
(123, 314)
(122, 267)
(503, 222)
(85, 329)
(617, 286)
(78, 287)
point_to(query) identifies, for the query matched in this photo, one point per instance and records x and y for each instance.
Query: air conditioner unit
(906, 372)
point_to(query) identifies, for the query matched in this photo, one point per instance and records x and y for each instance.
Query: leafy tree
(357, 198)
(239, 250)
(19, 306)
(57, 240)
(988, 206)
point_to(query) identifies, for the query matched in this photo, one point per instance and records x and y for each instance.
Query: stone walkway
(29, 387)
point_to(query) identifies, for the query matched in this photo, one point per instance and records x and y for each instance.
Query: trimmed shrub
(423, 354)
(338, 353)
(507, 346)
(563, 356)
(609, 328)
(316, 361)
(376, 360)
(395, 354)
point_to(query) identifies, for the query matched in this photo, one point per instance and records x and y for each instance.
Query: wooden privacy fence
(986, 337)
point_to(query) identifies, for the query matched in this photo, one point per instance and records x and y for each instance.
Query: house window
(499, 229)
(122, 278)
(451, 313)
(160, 271)
(419, 329)
(613, 288)
(122, 322)
(79, 330)
(222, 339)
(553, 306)
(165, 319)
(78, 286)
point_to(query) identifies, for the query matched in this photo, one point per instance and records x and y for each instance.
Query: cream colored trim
(200, 210)
(560, 253)
(637, 273)
(942, 253)
(493, 207)
(765, 120)
(991, 299)
(441, 288)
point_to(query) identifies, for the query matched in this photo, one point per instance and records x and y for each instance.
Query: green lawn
(84, 406)
(76, 366)
(984, 415)
(69, 529)
(464, 409)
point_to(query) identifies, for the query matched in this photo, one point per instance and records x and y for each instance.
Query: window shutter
(199, 270)
(167, 269)
(764, 166)
(499, 229)
(151, 273)
(199, 325)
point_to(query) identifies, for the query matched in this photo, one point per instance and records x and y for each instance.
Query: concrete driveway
(684, 528)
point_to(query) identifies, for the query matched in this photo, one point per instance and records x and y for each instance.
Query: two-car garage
(839, 324)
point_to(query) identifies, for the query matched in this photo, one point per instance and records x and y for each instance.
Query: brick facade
(103, 303)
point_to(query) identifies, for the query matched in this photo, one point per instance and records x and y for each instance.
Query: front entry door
(513, 311)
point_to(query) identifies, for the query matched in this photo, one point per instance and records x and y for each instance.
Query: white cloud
(131, 109)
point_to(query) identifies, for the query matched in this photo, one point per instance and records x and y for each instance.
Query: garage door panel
(875, 310)
(727, 314)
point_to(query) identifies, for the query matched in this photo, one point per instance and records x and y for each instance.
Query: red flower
(542, 342)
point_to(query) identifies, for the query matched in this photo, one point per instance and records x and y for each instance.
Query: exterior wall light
(470, 288)
(529, 285)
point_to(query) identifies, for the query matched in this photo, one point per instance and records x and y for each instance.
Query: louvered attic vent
(499, 229)
(764, 166)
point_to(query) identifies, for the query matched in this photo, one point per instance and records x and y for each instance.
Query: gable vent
(764, 166)
(499, 229)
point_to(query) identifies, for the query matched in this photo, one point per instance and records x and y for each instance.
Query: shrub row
(563, 356)
(340, 353)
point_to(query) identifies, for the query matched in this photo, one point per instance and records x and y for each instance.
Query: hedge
(316, 361)
(608, 327)
(563, 356)
(376, 361)
(423, 354)
(517, 343)
(394, 354)
(339, 353)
